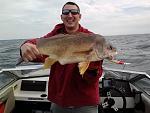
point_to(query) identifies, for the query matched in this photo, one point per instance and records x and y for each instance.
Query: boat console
(116, 95)
(32, 92)
(122, 85)
(33, 85)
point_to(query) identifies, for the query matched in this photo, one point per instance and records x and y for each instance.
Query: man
(68, 91)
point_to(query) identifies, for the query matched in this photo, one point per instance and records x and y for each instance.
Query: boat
(23, 89)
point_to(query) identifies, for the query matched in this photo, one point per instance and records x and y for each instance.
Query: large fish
(79, 48)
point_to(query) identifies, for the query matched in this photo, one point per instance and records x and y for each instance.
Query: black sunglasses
(72, 11)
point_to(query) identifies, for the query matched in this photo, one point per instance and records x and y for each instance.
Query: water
(9, 52)
(134, 49)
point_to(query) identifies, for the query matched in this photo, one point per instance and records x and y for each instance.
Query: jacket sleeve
(94, 72)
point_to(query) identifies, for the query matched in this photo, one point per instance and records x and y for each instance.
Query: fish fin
(48, 62)
(83, 67)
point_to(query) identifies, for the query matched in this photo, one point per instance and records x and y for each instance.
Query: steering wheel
(109, 102)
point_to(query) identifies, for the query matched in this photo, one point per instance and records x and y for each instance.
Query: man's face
(70, 20)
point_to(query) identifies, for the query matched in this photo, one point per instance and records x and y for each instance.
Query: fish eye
(109, 47)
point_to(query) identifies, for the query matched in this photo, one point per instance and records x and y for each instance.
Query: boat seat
(8, 101)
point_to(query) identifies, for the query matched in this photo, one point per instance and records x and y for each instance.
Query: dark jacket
(66, 86)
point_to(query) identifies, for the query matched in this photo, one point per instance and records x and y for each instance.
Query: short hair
(71, 3)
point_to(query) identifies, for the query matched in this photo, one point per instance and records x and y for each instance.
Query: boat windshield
(126, 75)
(6, 78)
(139, 79)
(143, 84)
(10, 75)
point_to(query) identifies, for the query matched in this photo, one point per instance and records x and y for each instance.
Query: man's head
(71, 15)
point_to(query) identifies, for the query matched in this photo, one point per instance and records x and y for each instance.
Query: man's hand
(29, 52)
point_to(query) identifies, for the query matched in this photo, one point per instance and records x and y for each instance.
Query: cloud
(117, 17)
(34, 18)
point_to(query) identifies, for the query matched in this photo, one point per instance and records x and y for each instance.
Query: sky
(26, 19)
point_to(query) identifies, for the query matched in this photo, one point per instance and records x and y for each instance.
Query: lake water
(134, 49)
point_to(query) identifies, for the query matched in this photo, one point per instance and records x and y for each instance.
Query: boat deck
(27, 91)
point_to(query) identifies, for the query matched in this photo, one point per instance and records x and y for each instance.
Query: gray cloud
(34, 18)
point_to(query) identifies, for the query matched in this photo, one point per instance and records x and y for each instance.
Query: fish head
(104, 49)
(110, 51)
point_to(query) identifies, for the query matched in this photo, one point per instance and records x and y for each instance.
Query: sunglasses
(72, 11)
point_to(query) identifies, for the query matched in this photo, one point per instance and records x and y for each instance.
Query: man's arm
(28, 50)
(30, 53)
